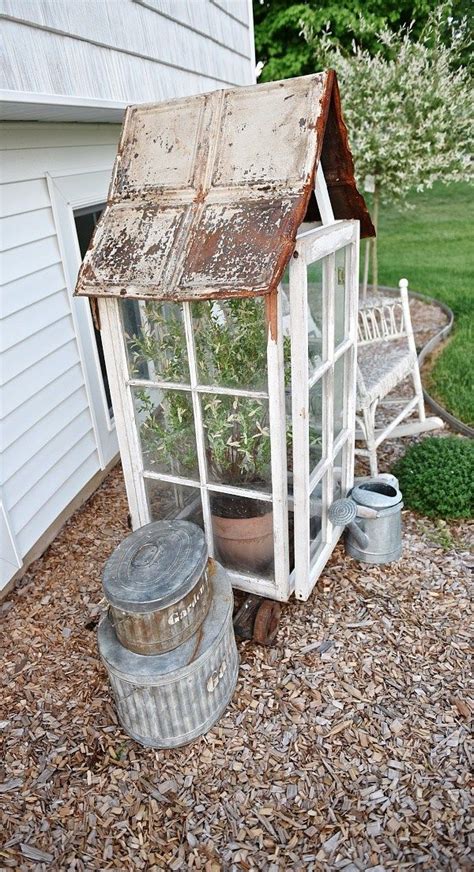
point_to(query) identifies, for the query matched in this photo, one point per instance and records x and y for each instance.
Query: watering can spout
(343, 513)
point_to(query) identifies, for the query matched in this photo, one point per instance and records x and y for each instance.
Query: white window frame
(69, 192)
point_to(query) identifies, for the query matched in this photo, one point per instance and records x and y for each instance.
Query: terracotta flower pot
(245, 543)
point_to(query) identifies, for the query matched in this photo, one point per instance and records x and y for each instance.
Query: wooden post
(375, 216)
(365, 278)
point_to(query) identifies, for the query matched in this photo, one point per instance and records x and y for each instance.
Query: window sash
(313, 246)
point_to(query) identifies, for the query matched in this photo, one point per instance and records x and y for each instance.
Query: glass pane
(231, 343)
(315, 521)
(339, 398)
(237, 438)
(156, 341)
(243, 533)
(339, 296)
(315, 315)
(165, 423)
(167, 501)
(315, 424)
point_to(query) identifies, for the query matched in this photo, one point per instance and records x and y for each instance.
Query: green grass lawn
(432, 246)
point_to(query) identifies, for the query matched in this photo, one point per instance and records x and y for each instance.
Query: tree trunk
(375, 220)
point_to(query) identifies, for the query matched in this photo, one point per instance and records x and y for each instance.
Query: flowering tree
(408, 108)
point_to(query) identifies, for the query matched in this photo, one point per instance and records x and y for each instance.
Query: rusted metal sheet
(208, 193)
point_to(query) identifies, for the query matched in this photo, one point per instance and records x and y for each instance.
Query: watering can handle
(366, 512)
(361, 538)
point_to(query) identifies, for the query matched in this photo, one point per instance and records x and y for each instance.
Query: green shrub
(437, 477)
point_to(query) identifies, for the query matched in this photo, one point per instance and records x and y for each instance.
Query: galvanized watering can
(372, 517)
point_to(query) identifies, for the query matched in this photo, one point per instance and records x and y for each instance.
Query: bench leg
(368, 426)
(419, 392)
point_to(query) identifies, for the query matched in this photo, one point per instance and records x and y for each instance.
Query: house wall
(132, 50)
(50, 449)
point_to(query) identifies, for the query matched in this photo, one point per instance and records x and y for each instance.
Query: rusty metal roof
(208, 192)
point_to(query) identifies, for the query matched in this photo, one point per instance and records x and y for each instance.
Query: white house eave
(33, 106)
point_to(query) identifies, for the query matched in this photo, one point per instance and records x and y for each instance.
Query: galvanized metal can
(384, 530)
(168, 700)
(157, 585)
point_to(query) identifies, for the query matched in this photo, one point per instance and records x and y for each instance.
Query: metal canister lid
(155, 566)
(377, 494)
(158, 668)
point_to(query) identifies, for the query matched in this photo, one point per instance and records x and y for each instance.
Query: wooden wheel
(266, 622)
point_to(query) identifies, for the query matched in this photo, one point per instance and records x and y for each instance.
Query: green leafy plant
(437, 477)
(282, 52)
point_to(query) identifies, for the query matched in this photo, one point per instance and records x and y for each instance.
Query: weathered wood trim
(128, 438)
(298, 294)
(277, 414)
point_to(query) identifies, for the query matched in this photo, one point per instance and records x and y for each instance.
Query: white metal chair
(387, 356)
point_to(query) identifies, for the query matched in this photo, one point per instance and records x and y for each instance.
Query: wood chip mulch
(345, 747)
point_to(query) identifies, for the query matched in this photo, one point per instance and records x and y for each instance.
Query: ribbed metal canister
(168, 700)
(157, 585)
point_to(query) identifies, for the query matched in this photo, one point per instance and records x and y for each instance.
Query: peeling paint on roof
(208, 193)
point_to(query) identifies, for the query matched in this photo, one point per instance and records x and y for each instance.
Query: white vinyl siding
(49, 449)
(130, 50)
(72, 474)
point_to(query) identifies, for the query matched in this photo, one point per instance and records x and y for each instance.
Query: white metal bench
(387, 356)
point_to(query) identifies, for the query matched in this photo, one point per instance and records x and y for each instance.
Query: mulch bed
(345, 746)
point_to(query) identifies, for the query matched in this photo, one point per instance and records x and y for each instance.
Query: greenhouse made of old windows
(225, 267)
